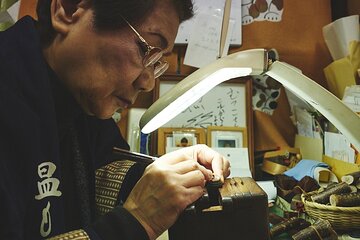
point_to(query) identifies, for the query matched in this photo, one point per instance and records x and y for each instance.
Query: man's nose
(146, 81)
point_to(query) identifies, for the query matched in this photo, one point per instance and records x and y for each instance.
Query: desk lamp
(247, 63)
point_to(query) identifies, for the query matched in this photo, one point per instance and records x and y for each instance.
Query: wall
(27, 7)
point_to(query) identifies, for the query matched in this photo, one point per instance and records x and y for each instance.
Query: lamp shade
(196, 85)
(251, 62)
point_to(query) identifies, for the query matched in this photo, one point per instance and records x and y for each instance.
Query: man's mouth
(125, 102)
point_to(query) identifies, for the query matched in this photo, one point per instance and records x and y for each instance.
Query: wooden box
(237, 210)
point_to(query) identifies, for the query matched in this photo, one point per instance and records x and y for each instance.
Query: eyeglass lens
(153, 58)
(160, 69)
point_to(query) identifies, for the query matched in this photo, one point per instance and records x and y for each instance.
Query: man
(61, 80)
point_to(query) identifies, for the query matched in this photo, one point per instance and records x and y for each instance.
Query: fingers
(202, 154)
(226, 168)
(218, 166)
(221, 167)
(193, 194)
(177, 156)
(191, 166)
(218, 163)
(193, 179)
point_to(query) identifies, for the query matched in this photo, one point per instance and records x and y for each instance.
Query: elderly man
(62, 78)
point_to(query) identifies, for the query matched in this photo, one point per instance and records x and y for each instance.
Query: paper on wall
(338, 147)
(352, 97)
(204, 41)
(339, 34)
(304, 122)
(212, 7)
(239, 161)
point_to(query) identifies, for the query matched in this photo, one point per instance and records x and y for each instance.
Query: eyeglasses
(152, 56)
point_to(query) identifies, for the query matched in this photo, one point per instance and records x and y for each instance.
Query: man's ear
(65, 12)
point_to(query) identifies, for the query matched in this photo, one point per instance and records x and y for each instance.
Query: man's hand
(171, 183)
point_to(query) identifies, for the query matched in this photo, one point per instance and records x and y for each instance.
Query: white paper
(304, 122)
(239, 161)
(269, 188)
(204, 42)
(224, 105)
(339, 34)
(212, 7)
(338, 147)
(352, 97)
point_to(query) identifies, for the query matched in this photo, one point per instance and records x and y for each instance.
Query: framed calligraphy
(170, 139)
(228, 104)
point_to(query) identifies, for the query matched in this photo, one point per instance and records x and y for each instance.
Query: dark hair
(108, 14)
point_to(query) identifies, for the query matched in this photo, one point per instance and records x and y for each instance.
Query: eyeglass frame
(159, 66)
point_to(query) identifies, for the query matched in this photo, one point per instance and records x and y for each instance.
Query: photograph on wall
(227, 143)
(171, 139)
(181, 139)
(227, 139)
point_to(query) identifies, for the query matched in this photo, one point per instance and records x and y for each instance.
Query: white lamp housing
(196, 85)
(244, 63)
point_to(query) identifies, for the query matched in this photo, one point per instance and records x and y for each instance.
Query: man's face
(103, 69)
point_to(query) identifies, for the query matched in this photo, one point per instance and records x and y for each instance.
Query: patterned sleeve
(111, 181)
(108, 182)
(73, 235)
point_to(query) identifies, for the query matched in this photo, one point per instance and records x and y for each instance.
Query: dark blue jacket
(32, 174)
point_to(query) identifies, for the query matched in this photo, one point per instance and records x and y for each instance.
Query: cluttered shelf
(311, 194)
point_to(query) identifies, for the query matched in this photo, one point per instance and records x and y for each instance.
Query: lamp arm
(343, 118)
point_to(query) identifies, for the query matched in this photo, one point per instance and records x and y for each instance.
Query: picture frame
(203, 112)
(169, 139)
(232, 143)
(232, 98)
(221, 137)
